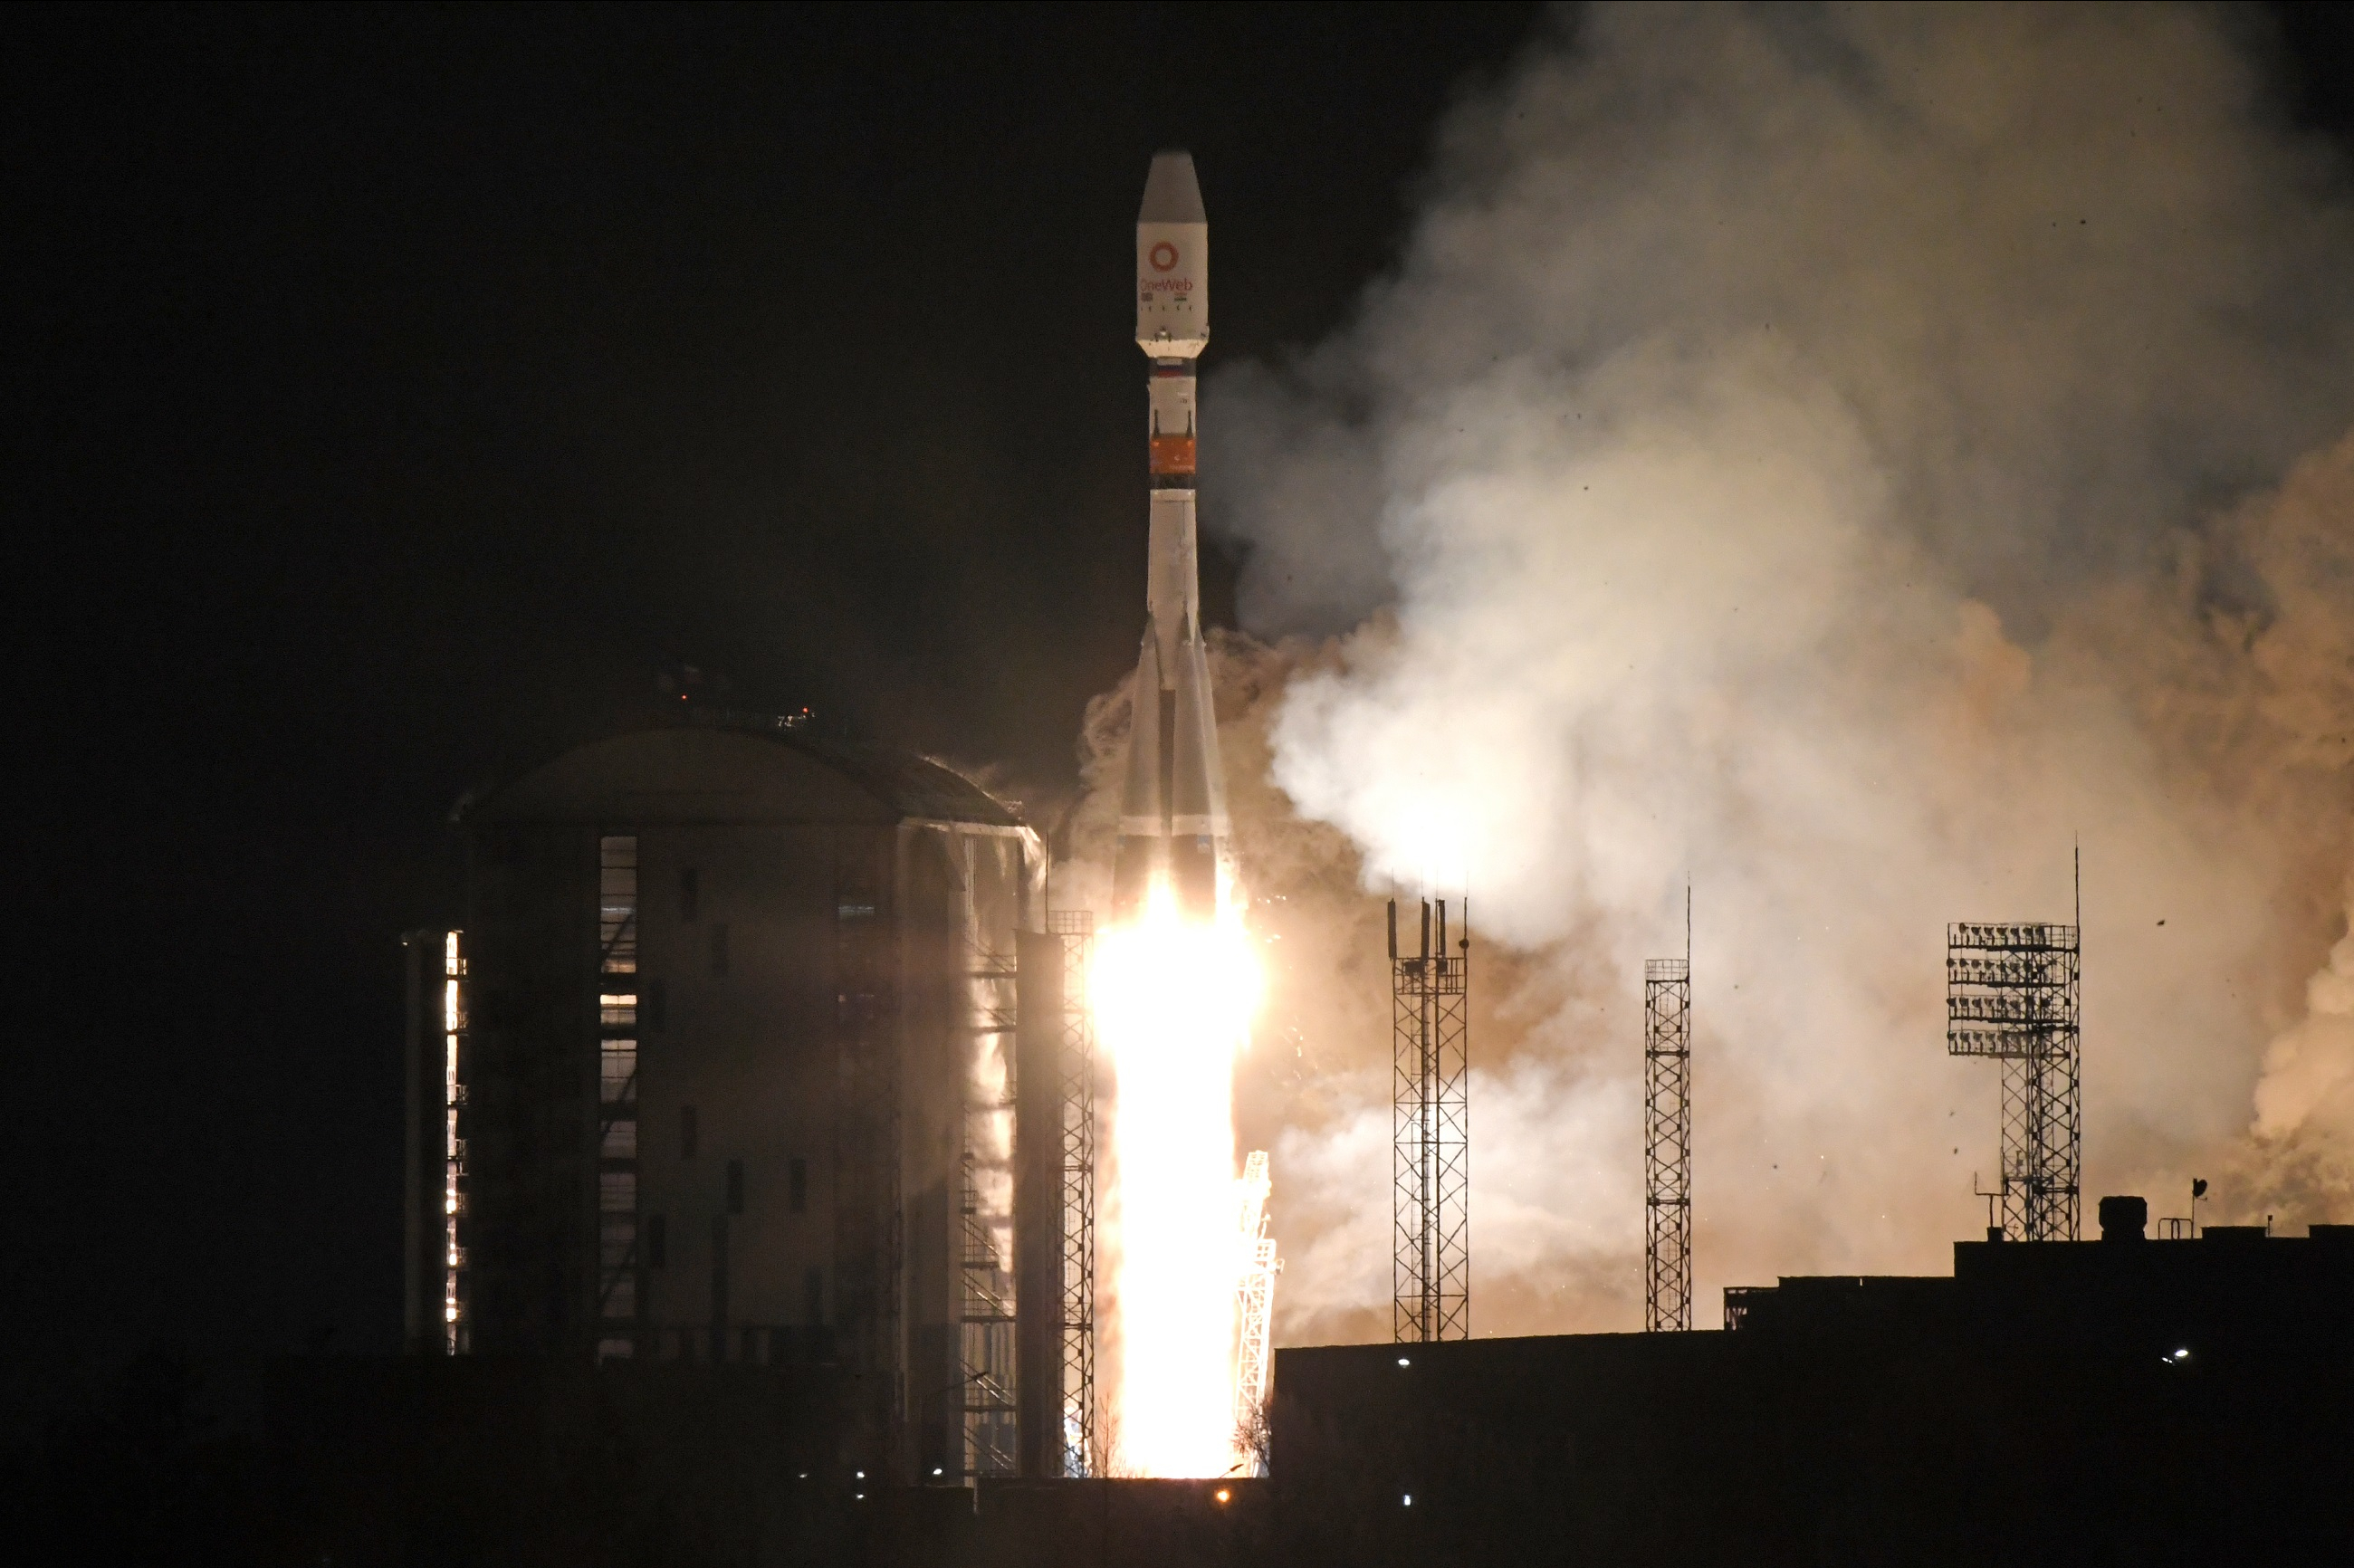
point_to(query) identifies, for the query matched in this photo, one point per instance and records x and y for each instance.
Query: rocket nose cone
(1172, 194)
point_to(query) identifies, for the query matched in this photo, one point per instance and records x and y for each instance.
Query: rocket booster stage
(1172, 821)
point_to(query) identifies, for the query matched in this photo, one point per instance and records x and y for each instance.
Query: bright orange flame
(1172, 1001)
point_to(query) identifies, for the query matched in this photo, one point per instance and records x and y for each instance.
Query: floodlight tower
(1432, 1165)
(2013, 991)
(1666, 1137)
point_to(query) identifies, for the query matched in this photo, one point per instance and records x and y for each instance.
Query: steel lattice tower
(1432, 1168)
(2013, 992)
(1667, 1141)
(1076, 927)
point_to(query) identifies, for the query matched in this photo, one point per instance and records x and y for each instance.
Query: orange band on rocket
(1173, 454)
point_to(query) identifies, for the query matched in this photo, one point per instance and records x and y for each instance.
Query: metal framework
(1667, 1143)
(1076, 927)
(2012, 993)
(618, 1286)
(868, 1234)
(1255, 1309)
(985, 1330)
(455, 1326)
(1432, 1165)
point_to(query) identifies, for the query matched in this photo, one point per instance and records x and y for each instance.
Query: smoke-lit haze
(1839, 458)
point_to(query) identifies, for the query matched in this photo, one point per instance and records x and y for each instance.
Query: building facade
(718, 1068)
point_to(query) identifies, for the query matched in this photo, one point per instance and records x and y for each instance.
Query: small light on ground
(1223, 1494)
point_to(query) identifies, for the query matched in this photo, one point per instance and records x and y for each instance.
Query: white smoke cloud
(1808, 452)
(2309, 1070)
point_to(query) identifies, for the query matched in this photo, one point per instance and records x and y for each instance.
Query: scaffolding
(985, 1328)
(2013, 993)
(868, 1235)
(1667, 1141)
(453, 1145)
(1076, 930)
(618, 1284)
(1432, 1163)
(1254, 1312)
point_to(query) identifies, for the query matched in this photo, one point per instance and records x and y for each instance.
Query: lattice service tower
(1076, 930)
(1254, 1311)
(1432, 1166)
(1666, 1138)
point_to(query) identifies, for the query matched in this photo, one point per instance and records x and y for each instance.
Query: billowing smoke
(1842, 459)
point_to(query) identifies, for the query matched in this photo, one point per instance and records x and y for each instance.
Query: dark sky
(394, 393)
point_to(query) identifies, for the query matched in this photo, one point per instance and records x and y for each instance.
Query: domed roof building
(717, 1068)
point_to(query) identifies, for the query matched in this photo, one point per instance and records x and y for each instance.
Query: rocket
(1172, 815)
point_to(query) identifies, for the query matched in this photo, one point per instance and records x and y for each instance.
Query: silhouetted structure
(2120, 1400)
(1080, 1419)
(720, 1068)
(2012, 993)
(1054, 1199)
(1666, 1137)
(1431, 1171)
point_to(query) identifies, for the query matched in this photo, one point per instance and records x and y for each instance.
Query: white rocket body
(1172, 825)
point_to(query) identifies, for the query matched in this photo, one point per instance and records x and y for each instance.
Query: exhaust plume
(1841, 456)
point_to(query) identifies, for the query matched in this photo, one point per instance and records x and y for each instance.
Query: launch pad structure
(1666, 1138)
(1075, 929)
(1057, 1421)
(1431, 1168)
(1255, 1310)
(988, 1353)
(2013, 992)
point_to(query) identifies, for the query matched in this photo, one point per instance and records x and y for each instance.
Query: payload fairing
(1172, 822)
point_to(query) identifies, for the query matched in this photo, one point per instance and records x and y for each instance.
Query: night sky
(399, 393)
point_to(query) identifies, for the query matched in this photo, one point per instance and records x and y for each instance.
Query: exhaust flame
(1172, 1001)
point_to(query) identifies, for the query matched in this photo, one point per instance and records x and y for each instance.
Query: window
(734, 1186)
(689, 895)
(799, 1187)
(719, 949)
(617, 1072)
(686, 1131)
(616, 904)
(657, 1241)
